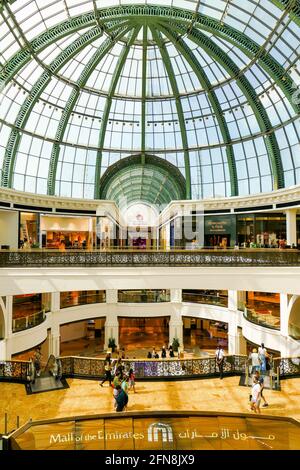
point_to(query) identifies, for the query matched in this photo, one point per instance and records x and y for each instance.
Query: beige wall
(9, 228)
(72, 331)
(71, 224)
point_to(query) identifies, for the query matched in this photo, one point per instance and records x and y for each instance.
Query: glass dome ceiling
(210, 86)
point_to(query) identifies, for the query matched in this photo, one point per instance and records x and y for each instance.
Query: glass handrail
(267, 321)
(83, 300)
(29, 321)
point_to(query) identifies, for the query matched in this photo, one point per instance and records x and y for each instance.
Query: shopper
(262, 354)
(37, 358)
(121, 399)
(254, 361)
(107, 368)
(163, 352)
(132, 380)
(255, 396)
(220, 360)
(261, 381)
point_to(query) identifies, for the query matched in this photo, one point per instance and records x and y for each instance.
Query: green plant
(112, 344)
(175, 344)
(35, 245)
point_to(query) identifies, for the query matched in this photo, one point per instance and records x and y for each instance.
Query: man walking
(220, 360)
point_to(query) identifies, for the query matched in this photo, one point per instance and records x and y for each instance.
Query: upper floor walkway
(145, 258)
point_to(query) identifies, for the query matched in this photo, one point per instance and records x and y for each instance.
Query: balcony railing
(266, 320)
(138, 258)
(70, 301)
(81, 367)
(155, 368)
(146, 297)
(207, 299)
(288, 366)
(14, 371)
(23, 323)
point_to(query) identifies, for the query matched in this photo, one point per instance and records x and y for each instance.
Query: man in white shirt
(220, 360)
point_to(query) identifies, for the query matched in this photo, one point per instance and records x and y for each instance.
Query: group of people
(155, 355)
(120, 379)
(260, 360)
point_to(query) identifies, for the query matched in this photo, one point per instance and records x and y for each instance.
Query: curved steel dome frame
(126, 23)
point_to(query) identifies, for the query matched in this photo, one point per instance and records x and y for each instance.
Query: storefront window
(270, 230)
(29, 230)
(67, 232)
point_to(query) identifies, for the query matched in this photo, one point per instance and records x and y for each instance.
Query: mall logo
(165, 429)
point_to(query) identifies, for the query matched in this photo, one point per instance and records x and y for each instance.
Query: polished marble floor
(87, 397)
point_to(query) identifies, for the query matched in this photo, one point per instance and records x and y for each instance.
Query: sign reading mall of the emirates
(159, 432)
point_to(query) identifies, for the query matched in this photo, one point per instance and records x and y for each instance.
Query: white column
(284, 320)
(54, 343)
(111, 296)
(291, 226)
(3, 352)
(168, 235)
(284, 326)
(8, 327)
(233, 337)
(111, 329)
(176, 325)
(55, 301)
(176, 295)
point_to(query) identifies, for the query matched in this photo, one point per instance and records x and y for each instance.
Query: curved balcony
(294, 331)
(265, 319)
(29, 321)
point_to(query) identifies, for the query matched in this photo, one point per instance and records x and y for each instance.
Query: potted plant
(112, 344)
(175, 344)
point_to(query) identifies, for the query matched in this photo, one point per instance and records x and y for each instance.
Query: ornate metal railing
(23, 323)
(287, 366)
(234, 258)
(72, 366)
(267, 321)
(14, 371)
(155, 368)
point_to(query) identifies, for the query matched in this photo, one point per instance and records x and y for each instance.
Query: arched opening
(143, 178)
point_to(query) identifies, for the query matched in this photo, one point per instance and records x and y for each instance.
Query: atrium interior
(149, 224)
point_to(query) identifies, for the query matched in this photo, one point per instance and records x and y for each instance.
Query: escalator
(50, 377)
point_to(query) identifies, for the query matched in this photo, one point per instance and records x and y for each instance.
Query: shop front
(261, 230)
(203, 336)
(220, 231)
(67, 232)
(142, 334)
